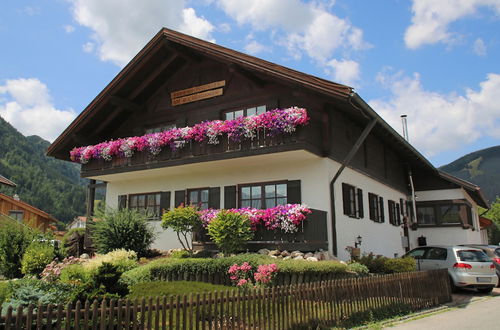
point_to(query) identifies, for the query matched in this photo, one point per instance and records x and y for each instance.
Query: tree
(494, 215)
(14, 240)
(183, 220)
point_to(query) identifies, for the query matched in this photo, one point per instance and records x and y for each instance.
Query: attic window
(258, 110)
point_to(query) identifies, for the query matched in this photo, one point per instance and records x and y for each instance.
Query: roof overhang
(472, 190)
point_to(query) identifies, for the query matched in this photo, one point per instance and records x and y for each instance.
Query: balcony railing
(312, 236)
(198, 152)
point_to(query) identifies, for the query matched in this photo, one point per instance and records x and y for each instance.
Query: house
(25, 213)
(78, 222)
(344, 161)
(6, 182)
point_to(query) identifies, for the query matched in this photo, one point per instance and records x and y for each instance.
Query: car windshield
(473, 256)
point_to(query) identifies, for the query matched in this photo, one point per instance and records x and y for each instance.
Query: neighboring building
(25, 213)
(6, 182)
(485, 224)
(78, 222)
(347, 163)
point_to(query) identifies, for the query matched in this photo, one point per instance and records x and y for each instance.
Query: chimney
(405, 127)
(16, 197)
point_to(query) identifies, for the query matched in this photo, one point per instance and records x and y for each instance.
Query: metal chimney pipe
(405, 127)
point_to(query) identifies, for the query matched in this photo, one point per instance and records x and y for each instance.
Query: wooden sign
(198, 93)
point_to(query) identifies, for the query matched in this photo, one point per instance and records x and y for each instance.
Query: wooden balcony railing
(312, 236)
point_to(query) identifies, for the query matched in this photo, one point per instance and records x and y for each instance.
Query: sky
(437, 61)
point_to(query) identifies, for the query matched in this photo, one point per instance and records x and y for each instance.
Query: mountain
(51, 185)
(481, 168)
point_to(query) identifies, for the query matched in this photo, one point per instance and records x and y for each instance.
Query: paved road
(477, 315)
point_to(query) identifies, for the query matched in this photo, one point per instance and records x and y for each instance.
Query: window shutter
(402, 208)
(122, 202)
(214, 198)
(361, 211)
(180, 198)
(381, 209)
(371, 207)
(398, 214)
(293, 192)
(164, 201)
(230, 197)
(345, 198)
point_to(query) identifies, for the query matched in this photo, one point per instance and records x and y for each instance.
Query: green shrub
(14, 240)
(122, 229)
(160, 288)
(180, 254)
(75, 274)
(400, 265)
(107, 278)
(358, 268)
(37, 256)
(376, 264)
(5, 291)
(124, 260)
(230, 231)
(183, 220)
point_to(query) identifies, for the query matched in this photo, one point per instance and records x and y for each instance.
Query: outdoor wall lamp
(358, 241)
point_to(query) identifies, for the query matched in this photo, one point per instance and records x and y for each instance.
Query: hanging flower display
(285, 217)
(274, 122)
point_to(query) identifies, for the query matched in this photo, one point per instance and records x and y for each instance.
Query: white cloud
(224, 27)
(26, 104)
(345, 71)
(254, 47)
(479, 47)
(88, 47)
(431, 19)
(308, 27)
(122, 27)
(441, 122)
(69, 28)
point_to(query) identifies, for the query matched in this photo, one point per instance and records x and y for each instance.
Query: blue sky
(436, 61)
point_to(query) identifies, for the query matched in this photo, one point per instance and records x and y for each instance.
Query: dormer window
(245, 112)
(158, 129)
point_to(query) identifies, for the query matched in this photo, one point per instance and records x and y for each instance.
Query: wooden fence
(284, 307)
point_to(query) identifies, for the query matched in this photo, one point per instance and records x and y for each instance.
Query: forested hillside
(52, 185)
(480, 167)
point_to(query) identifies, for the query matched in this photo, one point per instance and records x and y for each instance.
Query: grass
(160, 288)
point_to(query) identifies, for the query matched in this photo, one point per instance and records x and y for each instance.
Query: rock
(274, 257)
(285, 253)
(319, 256)
(308, 254)
(311, 259)
(274, 252)
(287, 258)
(298, 258)
(296, 254)
(85, 256)
(263, 251)
(343, 262)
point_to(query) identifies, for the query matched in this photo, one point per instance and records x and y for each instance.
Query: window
(17, 215)
(394, 213)
(444, 213)
(149, 203)
(198, 197)
(160, 128)
(437, 254)
(353, 201)
(376, 205)
(473, 256)
(230, 115)
(263, 195)
(418, 253)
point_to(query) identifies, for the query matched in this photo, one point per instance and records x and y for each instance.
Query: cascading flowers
(274, 122)
(285, 217)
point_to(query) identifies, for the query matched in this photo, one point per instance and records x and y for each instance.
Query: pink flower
(242, 282)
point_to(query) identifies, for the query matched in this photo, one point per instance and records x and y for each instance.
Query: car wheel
(484, 290)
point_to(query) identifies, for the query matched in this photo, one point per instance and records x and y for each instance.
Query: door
(420, 256)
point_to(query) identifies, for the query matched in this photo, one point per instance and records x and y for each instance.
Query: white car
(468, 267)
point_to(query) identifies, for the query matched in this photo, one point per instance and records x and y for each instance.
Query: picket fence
(326, 303)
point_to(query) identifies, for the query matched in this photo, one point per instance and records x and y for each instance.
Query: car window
(437, 254)
(417, 253)
(497, 252)
(473, 256)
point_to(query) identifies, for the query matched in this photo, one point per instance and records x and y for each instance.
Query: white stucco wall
(314, 172)
(447, 235)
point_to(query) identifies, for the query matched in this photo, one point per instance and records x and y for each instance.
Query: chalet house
(25, 213)
(6, 182)
(78, 222)
(360, 177)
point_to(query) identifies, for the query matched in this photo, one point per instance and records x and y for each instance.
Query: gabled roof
(7, 182)
(473, 190)
(28, 207)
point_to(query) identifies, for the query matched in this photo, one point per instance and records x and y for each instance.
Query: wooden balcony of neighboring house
(311, 236)
(304, 138)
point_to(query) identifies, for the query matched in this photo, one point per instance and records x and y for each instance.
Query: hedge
(215, 270)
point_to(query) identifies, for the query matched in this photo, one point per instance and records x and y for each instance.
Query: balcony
(312, 236)
(306, 138)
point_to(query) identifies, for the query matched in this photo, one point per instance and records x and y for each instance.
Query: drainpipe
(414, 204)
(345, 163)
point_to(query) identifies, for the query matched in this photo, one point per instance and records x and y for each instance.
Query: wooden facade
(25, 213)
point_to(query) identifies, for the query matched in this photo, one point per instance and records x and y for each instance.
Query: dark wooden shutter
(381, 210)
(164, 201)
(361, 211)
(293, 192)
(398, 214)
(345, 198)
(230, 197)
(402, 208)
(214, 198)
(371, 207)
(180, 197)
(122, 202)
